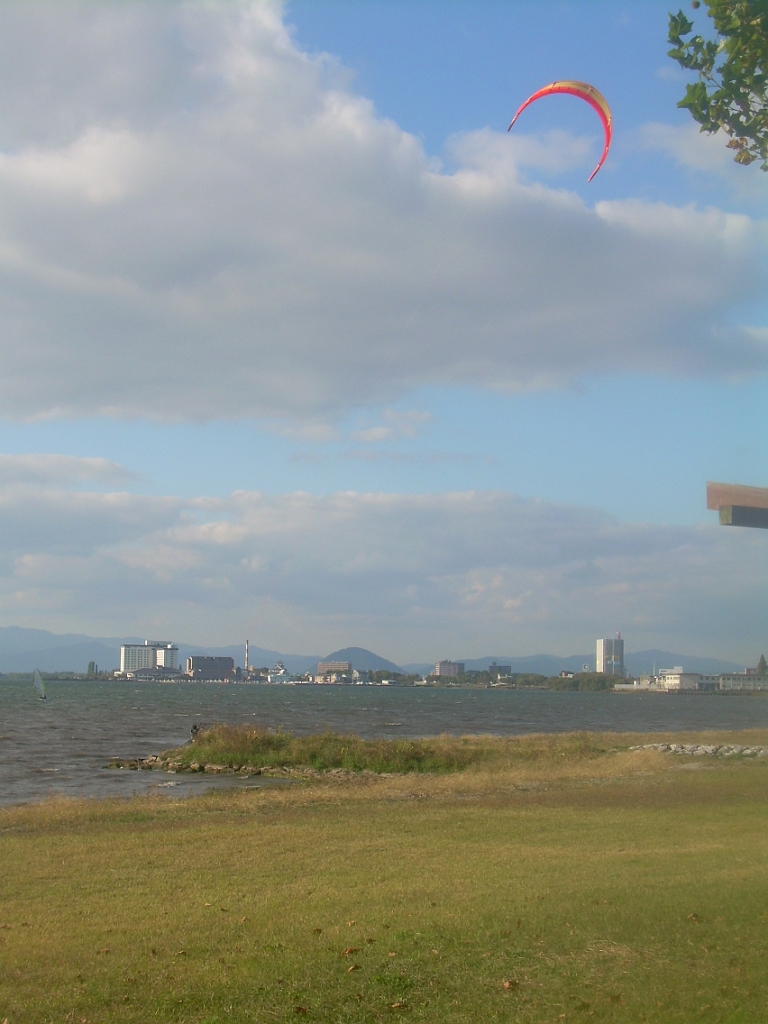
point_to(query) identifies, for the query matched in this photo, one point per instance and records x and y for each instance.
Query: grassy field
(579, 884)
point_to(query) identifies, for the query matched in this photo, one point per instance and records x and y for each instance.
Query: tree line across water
(517, 680)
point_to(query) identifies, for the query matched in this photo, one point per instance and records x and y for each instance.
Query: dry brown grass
(621, 886)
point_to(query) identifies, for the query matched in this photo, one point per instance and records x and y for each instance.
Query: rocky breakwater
(705, 749)
(157, 762)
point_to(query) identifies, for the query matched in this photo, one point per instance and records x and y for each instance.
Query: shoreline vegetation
(572, 877)
(244, 750)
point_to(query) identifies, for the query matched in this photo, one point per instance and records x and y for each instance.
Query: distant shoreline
(554, 684)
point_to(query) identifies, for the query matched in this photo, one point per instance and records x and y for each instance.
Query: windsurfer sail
(39, 685)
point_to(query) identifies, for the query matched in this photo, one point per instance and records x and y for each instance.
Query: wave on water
(61, 745)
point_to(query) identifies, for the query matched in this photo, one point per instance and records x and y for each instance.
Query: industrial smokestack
(246, 655)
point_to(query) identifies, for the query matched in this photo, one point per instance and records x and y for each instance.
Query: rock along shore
(169, 764)
(705, 749)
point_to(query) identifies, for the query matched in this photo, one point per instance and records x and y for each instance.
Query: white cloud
(41, 523)
(415, 576)
(705, 154)
(670, 74)
(396, 425)
(62, 470)
(492, 152)
(199, 220)
(95, 169)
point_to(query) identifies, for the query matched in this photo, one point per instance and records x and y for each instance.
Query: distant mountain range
(23, 650)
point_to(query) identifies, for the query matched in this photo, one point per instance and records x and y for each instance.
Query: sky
(298, 344)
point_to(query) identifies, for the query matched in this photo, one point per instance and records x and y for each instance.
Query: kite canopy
(585, 92)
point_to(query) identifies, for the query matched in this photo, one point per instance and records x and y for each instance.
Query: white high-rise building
(150, 654)
(610, 656)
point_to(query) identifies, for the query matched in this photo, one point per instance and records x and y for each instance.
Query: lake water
(62, 744)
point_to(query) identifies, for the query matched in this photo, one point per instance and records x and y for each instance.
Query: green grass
(613, 886)
(239, 746)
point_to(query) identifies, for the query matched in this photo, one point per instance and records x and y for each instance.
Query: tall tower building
(610, 656)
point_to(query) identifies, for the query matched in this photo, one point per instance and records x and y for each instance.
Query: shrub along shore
(248, 751)
(245, 750)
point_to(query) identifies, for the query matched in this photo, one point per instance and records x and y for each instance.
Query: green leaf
(732, 70)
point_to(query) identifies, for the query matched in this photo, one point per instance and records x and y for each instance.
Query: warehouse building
(206, 667)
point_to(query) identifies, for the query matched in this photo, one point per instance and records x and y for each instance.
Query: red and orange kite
(585, 92)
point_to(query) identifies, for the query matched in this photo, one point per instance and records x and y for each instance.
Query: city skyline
(23, 650)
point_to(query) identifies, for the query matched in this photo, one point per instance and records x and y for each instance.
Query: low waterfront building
(279, 674)
(643, 684)
(326, 667)
(742, 681)
(676, 680)
(335, 679)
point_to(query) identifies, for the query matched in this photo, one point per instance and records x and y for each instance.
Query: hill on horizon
(363, 660)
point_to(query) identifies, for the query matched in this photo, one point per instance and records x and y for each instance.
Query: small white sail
(37, 679)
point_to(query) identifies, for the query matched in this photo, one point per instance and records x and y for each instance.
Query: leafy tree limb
(731, 90)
